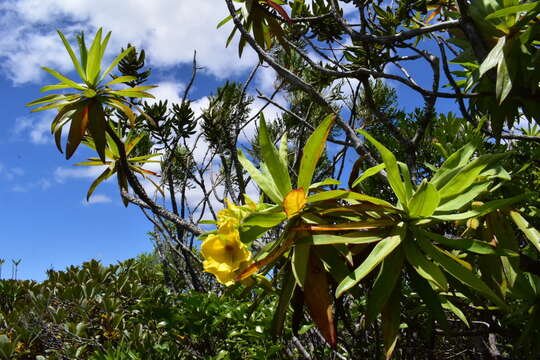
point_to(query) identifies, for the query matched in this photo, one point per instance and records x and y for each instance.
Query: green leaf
(355, 237)
(96, 127)
(224, 21)
(46, 99)
(459, 201)
(504, 81)
(278, 170)
(530, 232)
(458, 271)
(429, 297)
(470, 245)
(102, 177)
(392, 170)
(390, 323)
(64, 79)
(58, 86)
(325, 182)
(265, 183)
(72, 56)
(494, 57)
(79, 124)
(481, 210)
(120, 80)
(113, 65)
(300, 260)
(93, 63)
(344, 194)
(284, 152)
(467, 175)
(278, 321)
(266, 220)
(455, 161)
(368, 173)
(384, 284)
(313, 150)
(377, 255)
(424, 201)
(446, 304)
(513, 10)
(406, 176)
(424, 267)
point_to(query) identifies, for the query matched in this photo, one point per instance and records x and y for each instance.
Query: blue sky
(45, 218)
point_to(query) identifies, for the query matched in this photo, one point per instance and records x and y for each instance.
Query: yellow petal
(294, 202)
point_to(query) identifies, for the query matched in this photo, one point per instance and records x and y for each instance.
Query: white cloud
(61, 174)
(10, 173)
(35, 129)
(97, 199)
(42, 184)
(169, 30)
(168, 90)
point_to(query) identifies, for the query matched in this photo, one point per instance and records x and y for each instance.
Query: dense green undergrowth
(124, 312)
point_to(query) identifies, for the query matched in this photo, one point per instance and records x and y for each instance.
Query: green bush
(124, 312)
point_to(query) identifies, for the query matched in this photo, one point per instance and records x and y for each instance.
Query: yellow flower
(225, 256)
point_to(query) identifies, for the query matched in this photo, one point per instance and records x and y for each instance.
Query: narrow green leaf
(79, 123)
(459, 201)
(377, 255)
(511, 10)
(120, 80)
(429, 297)
(424, 201)
(93, 63)
(46, 99)
(458, 271)
(96, 127)
(278, 170)
(284, 152)
(406, 176)
(455, 161)
(278, 321)
(392, 170)
(114, 63)
(384, 284)
(468, 174)
(494, 57)
(224, 21)
(470, 245)
(82, 52)
(74, 59)
(313, 150)
(64, 79)
(390, 319)
(265, 183)
(446, 304)
(424, 267)
(368, 173)
(58, 86)
(300, 260)
(266, 220)
(481, 210)
(325, 182)
(344, 194)
(503, 85)
(530, 232)
(102, 177)
(355, 237)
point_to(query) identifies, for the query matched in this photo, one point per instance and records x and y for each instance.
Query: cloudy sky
(44, 218)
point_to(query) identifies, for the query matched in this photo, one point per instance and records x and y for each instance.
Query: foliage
(124, 312)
